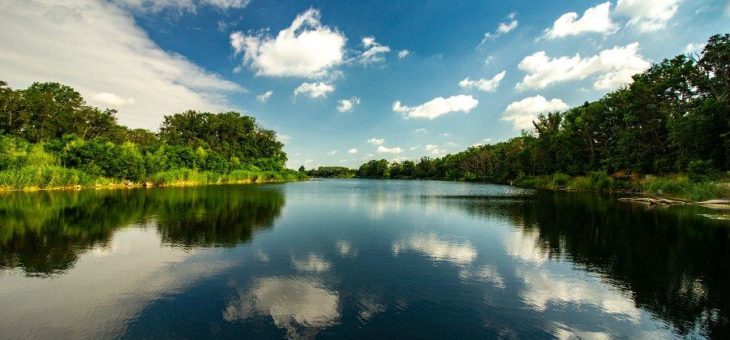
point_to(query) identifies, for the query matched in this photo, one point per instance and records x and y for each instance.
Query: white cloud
(614, 68)
(264, 97)
(384, 149)
(312, 263)
(415, 147)
(502, 28)
(332, 153)
(374, 52)
(445, 134)
(420, 130)
(180, 5)
(486, 273)
(522, 113)
(69, 42)
(403, 54)
(352, 151)
(305, 49)
(694, 48)
(345, 248)
(595, 19)
(314, 90)
(345, 105)
(486, 85)
(376, 141)
(283, 138)
(437, 107)
(434, 149)
(437, 248)
(111, 99)
(647, 15)
(300, 306)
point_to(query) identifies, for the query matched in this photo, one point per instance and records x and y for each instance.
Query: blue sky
(341, 88)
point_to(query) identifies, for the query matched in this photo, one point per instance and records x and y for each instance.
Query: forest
(51, 138)
(667, 132)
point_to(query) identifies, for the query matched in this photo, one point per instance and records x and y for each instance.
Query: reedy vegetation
(50, 138)
(674, 119)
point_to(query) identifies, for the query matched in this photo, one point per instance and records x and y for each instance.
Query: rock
(650, 201)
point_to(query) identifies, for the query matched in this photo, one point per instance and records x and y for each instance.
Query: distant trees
(673, 117)
(330, 172)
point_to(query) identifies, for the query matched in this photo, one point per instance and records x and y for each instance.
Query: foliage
(672, 119)
(50, 137)
(330, 172)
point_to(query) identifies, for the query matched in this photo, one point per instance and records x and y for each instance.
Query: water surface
(358, 258)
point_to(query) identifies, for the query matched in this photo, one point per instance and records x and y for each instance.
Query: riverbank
(676, 187)
(60, 178)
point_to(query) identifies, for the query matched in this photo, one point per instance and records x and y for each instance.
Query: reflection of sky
(327, 263)
(105, 288)
(311, 263)
(293, 303)
(437, 248)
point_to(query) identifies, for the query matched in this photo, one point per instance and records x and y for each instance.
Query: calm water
(360, 259)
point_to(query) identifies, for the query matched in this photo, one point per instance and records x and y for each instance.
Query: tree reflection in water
(672, 262)
(44, 233)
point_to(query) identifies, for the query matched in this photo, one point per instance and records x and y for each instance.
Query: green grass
(46, 177)
(676, 186)
(681, 186)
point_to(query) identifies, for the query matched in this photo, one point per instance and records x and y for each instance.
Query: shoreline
(144, 185)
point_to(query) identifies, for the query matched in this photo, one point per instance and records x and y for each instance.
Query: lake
(358, 259)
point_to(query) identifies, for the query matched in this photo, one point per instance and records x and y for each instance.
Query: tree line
(673, 118)
(48, 130)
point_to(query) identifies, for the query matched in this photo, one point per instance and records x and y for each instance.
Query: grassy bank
(673, 186)
(50, 177)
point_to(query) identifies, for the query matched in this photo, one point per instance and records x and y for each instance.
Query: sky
(343, 82)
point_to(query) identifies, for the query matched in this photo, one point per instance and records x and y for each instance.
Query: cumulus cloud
(647, 15)
(374, 52)
(179, 5)
(437, 107)
(332, 153)
(403, 54)
(314, 90)
(305, 49)
(36, 39)
(345, 105)
(502, 28)
(420, 130)
(595, 19)
(486, 85)
(434, 149)
(376, 141)
(384, 149)
(264, 97)
(614, 68)
(522, 113)
(352, 151)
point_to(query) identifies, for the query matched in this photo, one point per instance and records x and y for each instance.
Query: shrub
(560, 180)
(701, 171)
(600, 181)
(536, 182)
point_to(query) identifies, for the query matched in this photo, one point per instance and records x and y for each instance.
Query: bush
(701, 171)
(560, 180)
(600, 181)
(536, 182)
